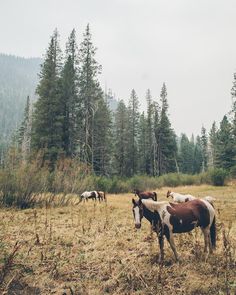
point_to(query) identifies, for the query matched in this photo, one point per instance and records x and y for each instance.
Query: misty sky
(189, 44)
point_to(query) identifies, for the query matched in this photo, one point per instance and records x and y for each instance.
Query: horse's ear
(133, 201)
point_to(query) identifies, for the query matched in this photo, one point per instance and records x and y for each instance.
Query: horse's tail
(105, 199)
(155, 196)
(213, 233)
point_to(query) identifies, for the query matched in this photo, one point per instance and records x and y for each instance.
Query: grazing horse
(89, 195)
(102, 196)
(169, 218)
(145, 195)
(179, 198)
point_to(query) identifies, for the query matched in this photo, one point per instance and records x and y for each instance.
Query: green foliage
(218, 176)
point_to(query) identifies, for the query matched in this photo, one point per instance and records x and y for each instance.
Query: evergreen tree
(89, 94)
(186, 154)
(69, 81)
(24, 132)
(102, 139)
(121, 138)
(143, 145)
(225, 148)
(133, 124)
(48, 115)
(204, 145)
(213, 144)
(167, 147)
(198, 158)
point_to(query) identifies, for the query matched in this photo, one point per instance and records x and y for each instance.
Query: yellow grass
(92, 248)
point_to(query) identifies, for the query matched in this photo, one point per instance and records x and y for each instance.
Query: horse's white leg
(172, 244)
(206, 233)
(161, 243)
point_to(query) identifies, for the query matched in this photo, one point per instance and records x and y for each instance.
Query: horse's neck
(152, 217)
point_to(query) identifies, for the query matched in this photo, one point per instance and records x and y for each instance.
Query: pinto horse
(102, 196)
(145, 195)
(179, 198)
(169, 218)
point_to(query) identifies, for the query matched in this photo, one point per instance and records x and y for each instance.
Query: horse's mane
(153, 205)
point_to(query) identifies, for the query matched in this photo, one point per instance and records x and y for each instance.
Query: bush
(218, 176)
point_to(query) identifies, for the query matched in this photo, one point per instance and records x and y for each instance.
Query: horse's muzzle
(137, 225)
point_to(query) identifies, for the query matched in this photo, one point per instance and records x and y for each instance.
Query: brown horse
(169, 218)
(102, 196)
(145, 195)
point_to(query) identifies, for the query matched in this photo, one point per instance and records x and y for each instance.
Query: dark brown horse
(145, 195)
(169, 218)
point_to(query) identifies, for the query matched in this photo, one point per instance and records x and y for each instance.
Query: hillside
(18, 79)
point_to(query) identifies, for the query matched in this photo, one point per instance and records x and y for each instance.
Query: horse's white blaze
(137, 215)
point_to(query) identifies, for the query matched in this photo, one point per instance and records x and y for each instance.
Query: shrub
(218, 176)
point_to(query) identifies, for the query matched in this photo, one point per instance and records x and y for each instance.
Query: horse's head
(136, 192)
(138, 212)
(168, 194)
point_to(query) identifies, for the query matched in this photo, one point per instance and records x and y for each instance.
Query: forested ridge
(72, 119)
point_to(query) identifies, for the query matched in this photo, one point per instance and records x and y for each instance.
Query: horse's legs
(161, 244)
(206, 234)
(171, 241)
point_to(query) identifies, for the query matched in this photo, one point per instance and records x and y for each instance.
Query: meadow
(64, 247)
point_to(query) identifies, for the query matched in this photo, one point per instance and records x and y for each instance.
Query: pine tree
(213, 144)
(167, 147)
(121, 138)
(24, 132)
(48, 115)
(102, 139)
(198, 158)
(150, 158)
(133, 115)
(225, 148)
(186, 154)
(143, 145)
(89, 94)
(69, 81)
(204, 145)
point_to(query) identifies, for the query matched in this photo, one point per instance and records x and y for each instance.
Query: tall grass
(19, 183)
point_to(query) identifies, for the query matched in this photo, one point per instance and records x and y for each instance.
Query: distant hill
(18, 79)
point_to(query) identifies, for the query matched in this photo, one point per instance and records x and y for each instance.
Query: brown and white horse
(179, 198)
(145, 195)
(102, 196)
(169, 218)
(94, 195)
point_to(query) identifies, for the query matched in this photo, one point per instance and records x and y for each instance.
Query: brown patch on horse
(185, 216)
(146, 195)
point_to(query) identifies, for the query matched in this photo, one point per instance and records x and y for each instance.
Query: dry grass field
(91, 248)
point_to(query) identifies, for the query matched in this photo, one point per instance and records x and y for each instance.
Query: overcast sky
(189, 44)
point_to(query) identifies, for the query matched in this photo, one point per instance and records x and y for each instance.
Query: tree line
(72, 119)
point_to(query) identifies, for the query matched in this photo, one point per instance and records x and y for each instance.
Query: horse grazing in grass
(102, 196)
(94, 195)
(145, 195)
(169, 218)
(179, 198)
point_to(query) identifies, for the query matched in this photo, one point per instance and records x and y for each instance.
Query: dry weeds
(91, 248)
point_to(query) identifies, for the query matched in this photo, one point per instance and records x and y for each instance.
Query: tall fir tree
(212, 145)
(225, 148)
(143, 145)
(69, 92)
(102, 139)
(121, 138)
(167, 147)
(198, 158)
(204, 145)
(48, 115)
(24, 132)
(133, 121)
(89, 94)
